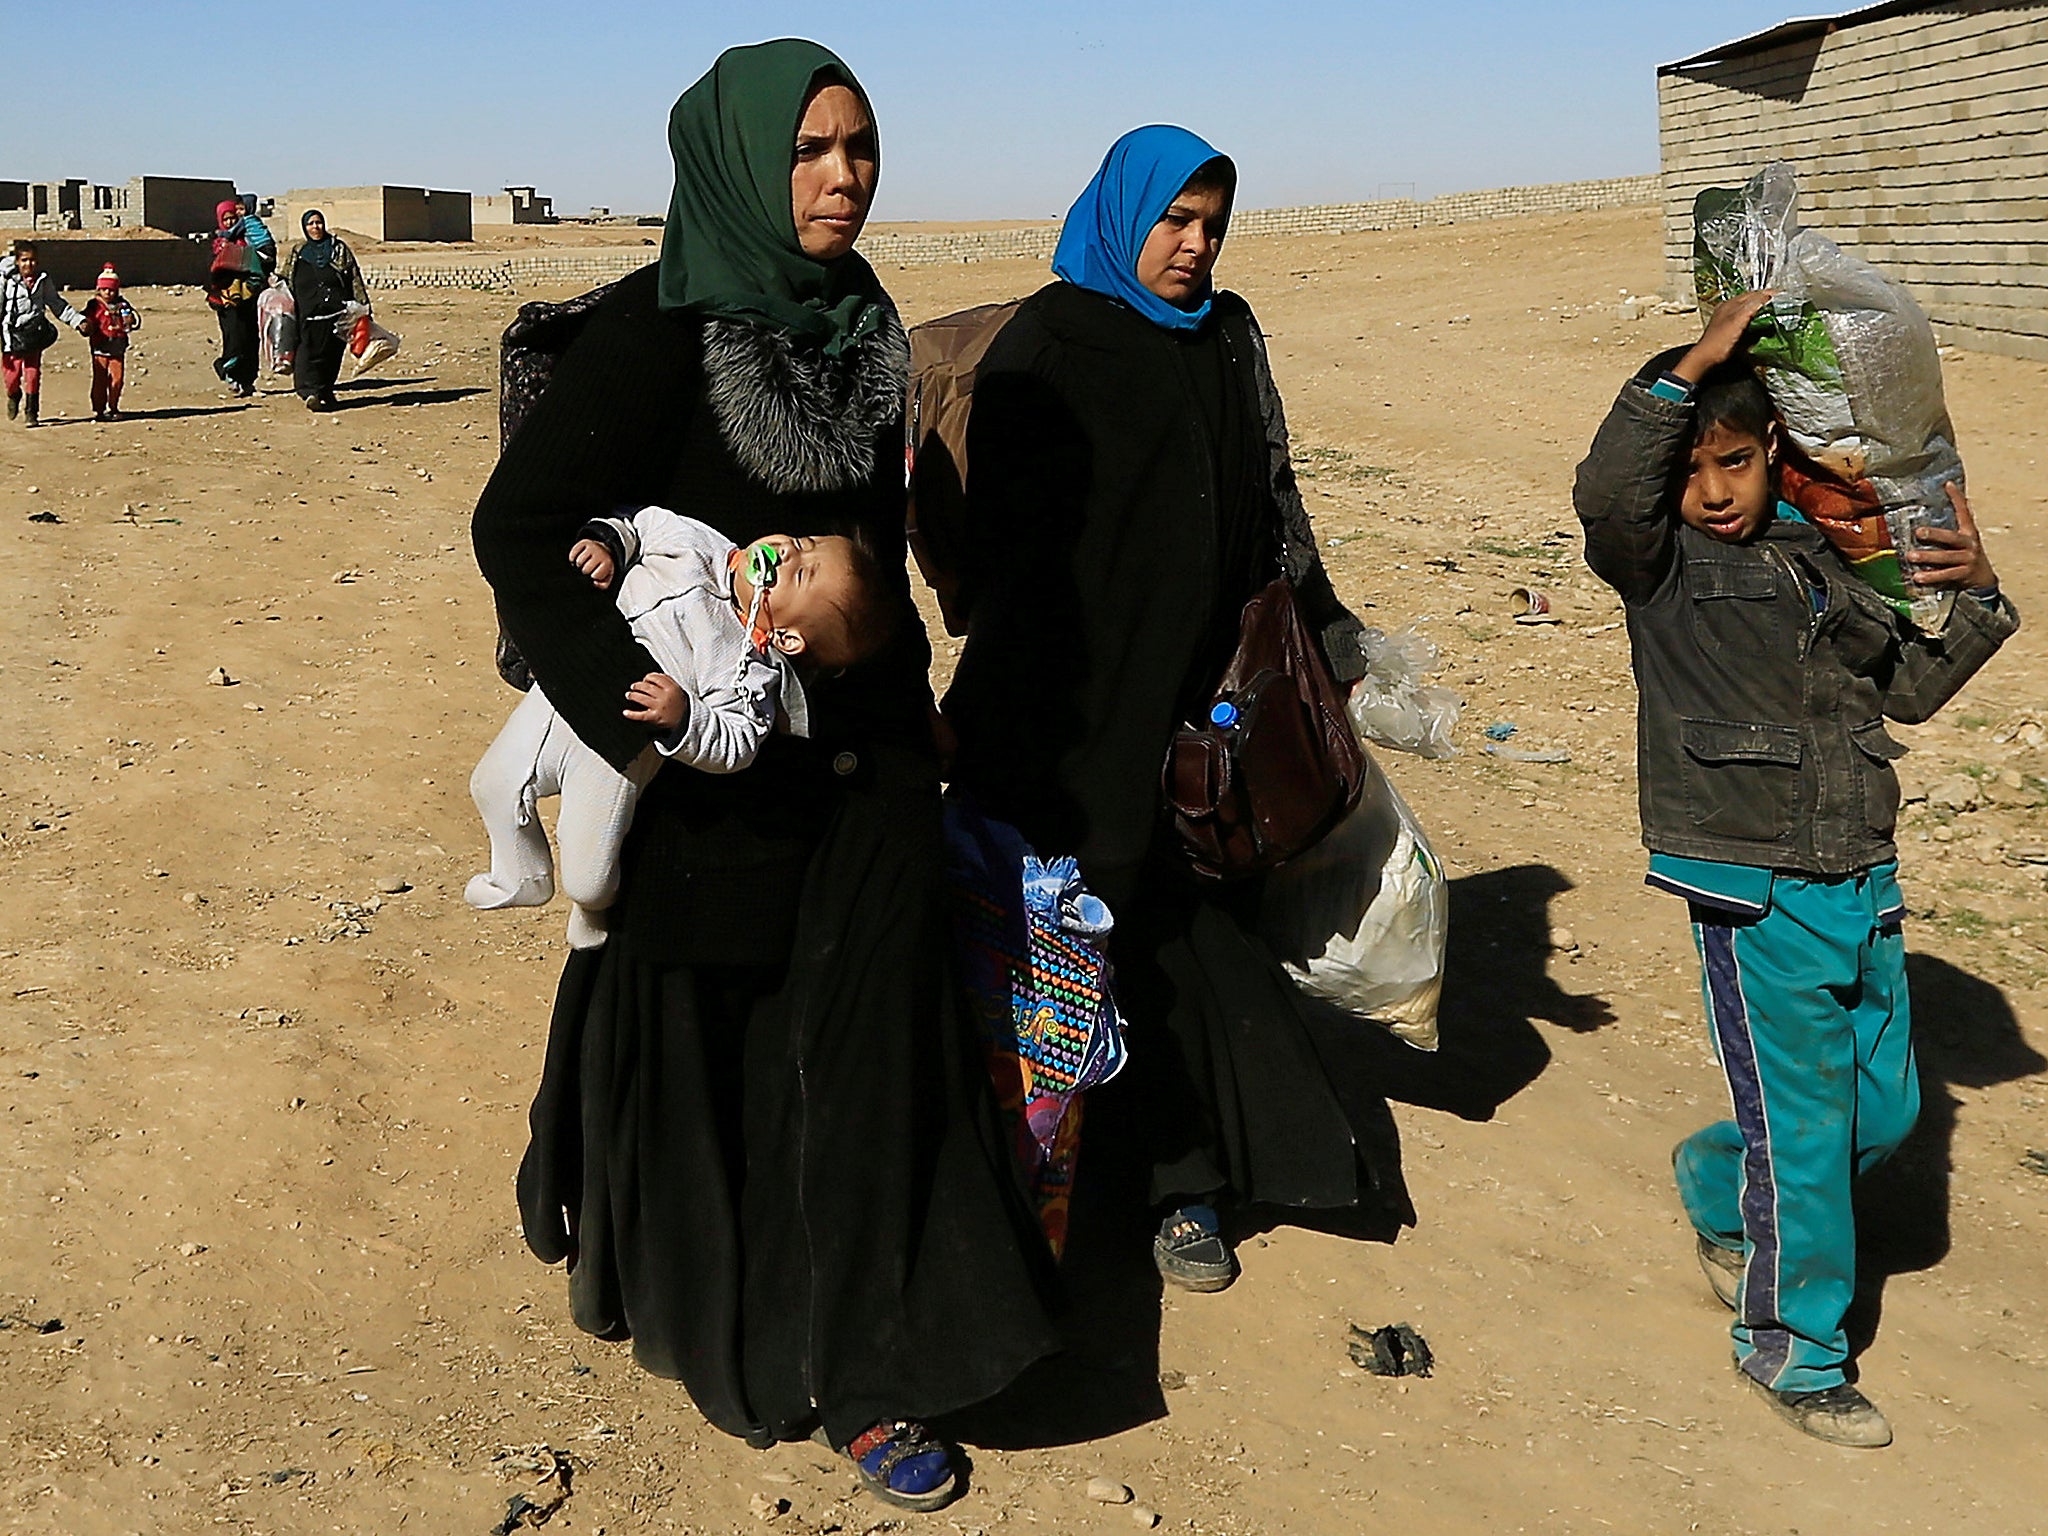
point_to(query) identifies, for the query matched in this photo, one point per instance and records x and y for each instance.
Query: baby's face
(812, 594)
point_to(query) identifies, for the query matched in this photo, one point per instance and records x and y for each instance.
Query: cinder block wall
(1921, 144)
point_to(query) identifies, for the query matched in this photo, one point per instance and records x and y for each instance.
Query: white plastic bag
(1361, 919)
(1392, 707)
(278, 319)
(1851, 364)
(371, 345)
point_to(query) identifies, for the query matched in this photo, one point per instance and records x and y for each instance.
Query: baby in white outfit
(729, 628)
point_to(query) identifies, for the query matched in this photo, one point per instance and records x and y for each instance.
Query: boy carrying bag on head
(1766, 670)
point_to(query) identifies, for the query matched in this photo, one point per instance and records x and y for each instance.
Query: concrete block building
(380, 213)
(177, 205)
(514, 205)
(1919, 132)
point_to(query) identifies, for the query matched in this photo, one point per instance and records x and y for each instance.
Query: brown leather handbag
(1276, 763)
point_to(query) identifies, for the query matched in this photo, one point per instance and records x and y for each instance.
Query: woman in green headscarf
(762, 1138)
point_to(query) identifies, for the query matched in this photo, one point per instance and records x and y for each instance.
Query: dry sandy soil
(259, 1110)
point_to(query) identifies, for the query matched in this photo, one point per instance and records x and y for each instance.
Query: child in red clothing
(109, 318)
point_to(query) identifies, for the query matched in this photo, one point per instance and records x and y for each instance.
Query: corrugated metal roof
(1798, 29)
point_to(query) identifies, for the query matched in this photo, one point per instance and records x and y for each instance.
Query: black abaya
(238, 342)
(1128, 488)
(762, 1136)
(318, 294)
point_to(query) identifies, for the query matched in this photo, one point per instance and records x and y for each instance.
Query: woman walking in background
(323, 275)
(243, 256)
(763, 1138)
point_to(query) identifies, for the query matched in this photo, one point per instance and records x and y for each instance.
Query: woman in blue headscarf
(1128, 490)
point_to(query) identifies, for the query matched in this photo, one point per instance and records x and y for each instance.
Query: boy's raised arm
(1624, 484)
(1623, 488)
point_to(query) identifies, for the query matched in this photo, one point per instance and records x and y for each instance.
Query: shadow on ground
(161, 413)
(1496, 988)
(1965, 1035)
(410, 397)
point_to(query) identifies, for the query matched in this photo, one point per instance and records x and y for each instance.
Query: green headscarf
(730, 247)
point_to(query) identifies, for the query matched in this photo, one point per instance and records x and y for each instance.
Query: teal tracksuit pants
(1811, 1023)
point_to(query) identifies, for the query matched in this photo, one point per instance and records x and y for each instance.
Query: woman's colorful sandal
(901, 1464)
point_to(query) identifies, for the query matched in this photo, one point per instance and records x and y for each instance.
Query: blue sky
(986, 112)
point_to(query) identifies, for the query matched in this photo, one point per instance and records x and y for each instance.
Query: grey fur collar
(794, 418)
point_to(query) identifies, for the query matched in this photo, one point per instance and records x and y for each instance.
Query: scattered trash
(1172, 1381)
(1529, 755)
(553, 1474)
(2035, 1161)
(1107, 1490)
(1500, 730)
(220, 679)
(1395, 1350)
(44, 517)
(1531, 606)
(2033, 855)
(343, 578)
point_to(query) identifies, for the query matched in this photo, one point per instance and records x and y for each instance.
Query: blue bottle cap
(1223, 713)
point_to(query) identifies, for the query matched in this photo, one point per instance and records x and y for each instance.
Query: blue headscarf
(1109, 221)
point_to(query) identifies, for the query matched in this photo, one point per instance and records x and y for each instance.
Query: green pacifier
(762, 559)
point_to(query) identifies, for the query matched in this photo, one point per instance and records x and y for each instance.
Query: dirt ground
(263, 1076)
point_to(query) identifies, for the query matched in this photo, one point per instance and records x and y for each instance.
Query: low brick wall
(511, 273)
(1035, 242)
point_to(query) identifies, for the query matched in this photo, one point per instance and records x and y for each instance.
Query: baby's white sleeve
(725, 726)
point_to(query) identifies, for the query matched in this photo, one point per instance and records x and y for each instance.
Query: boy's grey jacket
(1760, 732)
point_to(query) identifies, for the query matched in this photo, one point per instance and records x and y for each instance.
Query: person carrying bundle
(323, 276)
(1766, 671)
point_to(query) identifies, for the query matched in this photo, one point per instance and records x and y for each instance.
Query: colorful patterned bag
(1033, 944)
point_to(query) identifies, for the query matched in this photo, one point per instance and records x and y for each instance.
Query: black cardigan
(713, 867)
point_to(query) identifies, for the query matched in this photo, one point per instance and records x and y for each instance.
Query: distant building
(1919, 136)
(380, 213)
(515, 205)
(178, 205)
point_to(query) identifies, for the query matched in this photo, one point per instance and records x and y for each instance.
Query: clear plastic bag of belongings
(1851, 363)
(1391, 706)
(1033, 947)
(278, 319)
(371, 345)
(1361, 919)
